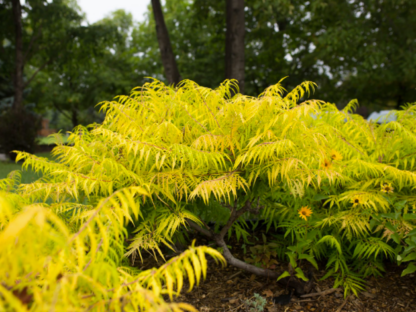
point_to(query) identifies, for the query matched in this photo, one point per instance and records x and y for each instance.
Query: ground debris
(390, 293)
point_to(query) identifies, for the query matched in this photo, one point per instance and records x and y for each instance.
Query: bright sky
(98, 9)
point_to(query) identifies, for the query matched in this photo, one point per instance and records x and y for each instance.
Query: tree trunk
(234, 45)
(74, 116)
(18, 73)
(168, 58)
(400, 98)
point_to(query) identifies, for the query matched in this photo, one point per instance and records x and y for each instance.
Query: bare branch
(256, 210)
(321, 293)
(61, 111)
(235, 214)
(37, 71)
(229, 207)
(96, 250)
(199, 229)
(32, 41)
(196, 88)
(344, 303)
(300, 286)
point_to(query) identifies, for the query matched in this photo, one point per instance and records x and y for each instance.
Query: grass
(51, 140)
(28, 176)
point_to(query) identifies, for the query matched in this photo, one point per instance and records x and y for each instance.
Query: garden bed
(226, 289)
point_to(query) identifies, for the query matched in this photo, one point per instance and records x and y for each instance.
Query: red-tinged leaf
(267, 293)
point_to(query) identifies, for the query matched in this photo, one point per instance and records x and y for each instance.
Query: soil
(226, 289)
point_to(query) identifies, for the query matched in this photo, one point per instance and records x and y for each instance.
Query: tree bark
(168, 58)
(300, 286)
(400, 98)
(234, 42)
(19, 62)
(74, 116)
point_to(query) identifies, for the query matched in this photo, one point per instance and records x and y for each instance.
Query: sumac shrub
(322, 175)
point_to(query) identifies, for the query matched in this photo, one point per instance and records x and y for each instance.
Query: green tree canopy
(355, 49)
(96, 64)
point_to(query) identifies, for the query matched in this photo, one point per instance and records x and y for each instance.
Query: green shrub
(49, 261)
(197, 155)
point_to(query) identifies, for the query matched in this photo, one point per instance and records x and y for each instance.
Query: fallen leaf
(233, 301)
(272, 309)
(252, 277)
(368, 295)
(279, 293)
(268, 293)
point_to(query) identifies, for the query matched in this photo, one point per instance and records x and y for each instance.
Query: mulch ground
(226, 289)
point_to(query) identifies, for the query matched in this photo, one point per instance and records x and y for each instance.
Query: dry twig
(343, 304)
(321, 293)
(236, 274)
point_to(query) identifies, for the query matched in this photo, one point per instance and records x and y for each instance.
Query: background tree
(166, 52)
(33, 40)
(96, 64)
(369, 48)
(19, 60)
(349, 49)
(6, 55)
(197, 32)
(234, 42)
(38, 39)
(330, 42)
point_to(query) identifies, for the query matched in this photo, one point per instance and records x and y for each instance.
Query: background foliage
(355, 49)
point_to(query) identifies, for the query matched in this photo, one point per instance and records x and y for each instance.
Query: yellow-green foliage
(45, 266)
(163, 156)
(193, 143)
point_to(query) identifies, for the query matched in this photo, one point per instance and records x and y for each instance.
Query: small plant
(398, 226)
(264, 255)
(409, 253)
(257, 304)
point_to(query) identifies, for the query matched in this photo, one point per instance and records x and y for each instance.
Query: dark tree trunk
(168, 58)
(18, 72)
(400, 100)
(74, 116)
(234, 45)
